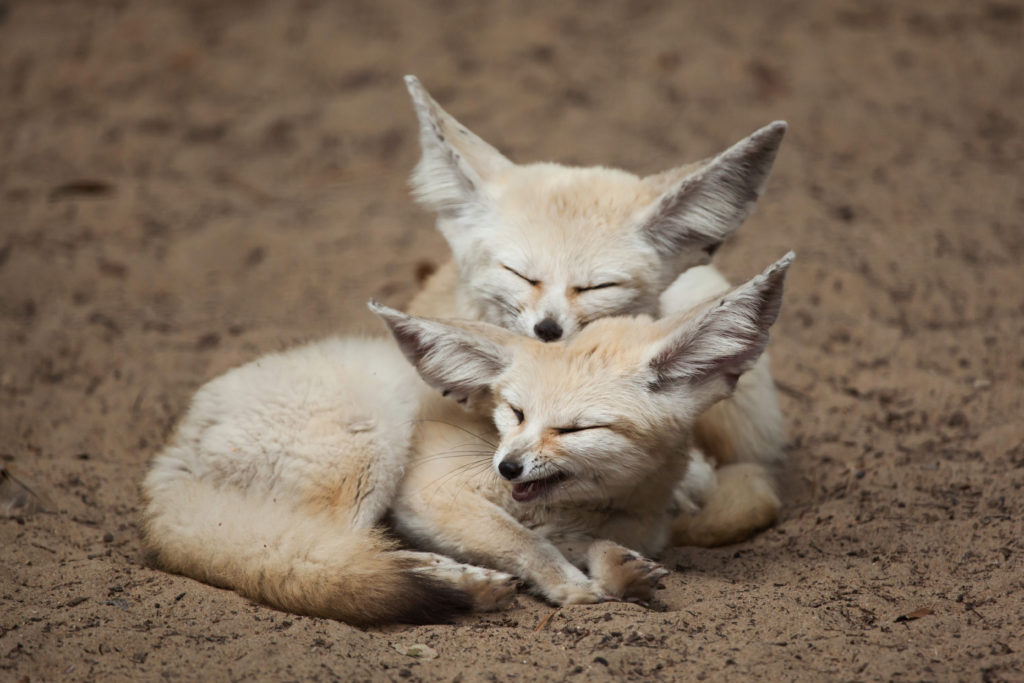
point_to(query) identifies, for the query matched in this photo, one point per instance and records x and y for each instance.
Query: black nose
(510, 469)
(547, 330)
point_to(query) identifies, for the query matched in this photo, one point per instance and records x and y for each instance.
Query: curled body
(277, 480)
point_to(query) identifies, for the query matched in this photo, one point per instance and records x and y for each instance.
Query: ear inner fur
(455, 163)
(705, 206)
(449, 356)
(727, 336)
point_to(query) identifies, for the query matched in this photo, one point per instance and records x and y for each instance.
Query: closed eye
(570, 430)
(520, 275)
(603, 285)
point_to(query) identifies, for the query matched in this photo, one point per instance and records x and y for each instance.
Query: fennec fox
(278, 477)
(544, 249)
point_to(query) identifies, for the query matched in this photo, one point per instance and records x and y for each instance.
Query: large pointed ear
(725, 339)
(455, 357)
(707, 201)
(455, 163)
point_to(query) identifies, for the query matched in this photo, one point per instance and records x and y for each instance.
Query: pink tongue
(527, 491)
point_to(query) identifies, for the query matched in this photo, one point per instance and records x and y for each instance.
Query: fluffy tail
(286, 558)
(742, 502)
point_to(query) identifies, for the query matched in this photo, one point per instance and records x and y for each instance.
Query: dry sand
(186, 185)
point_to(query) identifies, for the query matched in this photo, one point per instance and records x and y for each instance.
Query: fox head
(544, 249)
(593, 416)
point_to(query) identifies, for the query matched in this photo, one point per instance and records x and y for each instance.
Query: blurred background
(212, 136)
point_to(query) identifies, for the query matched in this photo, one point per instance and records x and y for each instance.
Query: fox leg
(733, 501)
(490, 589)
(741, 501)
(476, 530)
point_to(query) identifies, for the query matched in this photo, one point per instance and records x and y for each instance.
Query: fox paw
(491, 590)
(624, 573)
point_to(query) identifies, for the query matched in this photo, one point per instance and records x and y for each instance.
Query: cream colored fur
(546, 242)
(278, 477)
(743, 435)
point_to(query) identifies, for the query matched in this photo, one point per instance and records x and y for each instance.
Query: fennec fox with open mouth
(277, 479)
(544, 250)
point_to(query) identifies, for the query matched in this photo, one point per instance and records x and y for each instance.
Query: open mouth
(530, 490)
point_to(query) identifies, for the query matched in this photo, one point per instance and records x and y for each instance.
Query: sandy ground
(186, 185)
